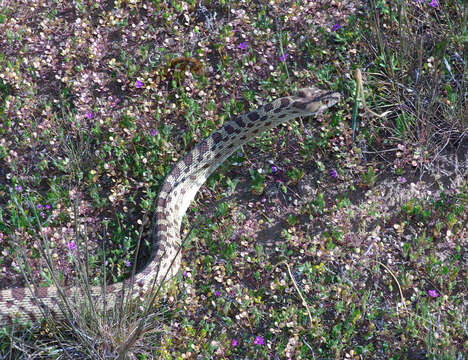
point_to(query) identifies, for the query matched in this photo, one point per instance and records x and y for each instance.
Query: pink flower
(433, 293)
(283, 57)
(434, 3)
(138, 84)
(258, 340)
(336, 27)
(235, 342)
(71, 246)
(242, 45)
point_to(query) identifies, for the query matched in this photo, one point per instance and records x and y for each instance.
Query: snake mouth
(318, 103)
(326, 100)
(332, 99)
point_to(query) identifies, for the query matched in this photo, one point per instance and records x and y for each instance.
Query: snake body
(177, 191)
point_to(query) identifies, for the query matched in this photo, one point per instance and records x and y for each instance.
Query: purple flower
(274, 168)
(138, 84)
(19, 188)
(258, 340)
(89, 114)
(47, 206)
(235, 342)
(217, 293)
(283, 57)
(333, 173)
(39, 206)
(433, 293)
(128, 263)
(403, 179)
(242, 45)
(185, 273)
(434, 3)
(154, 132)
(336, 27)
(43, 214)
(71, 246)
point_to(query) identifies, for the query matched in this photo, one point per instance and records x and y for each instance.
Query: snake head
(314, 101)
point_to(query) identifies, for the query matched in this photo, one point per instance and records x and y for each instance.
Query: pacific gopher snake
(178, 190)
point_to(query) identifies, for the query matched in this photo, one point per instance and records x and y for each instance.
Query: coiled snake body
(178, 190)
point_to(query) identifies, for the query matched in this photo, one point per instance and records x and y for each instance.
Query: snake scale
(177, 192)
